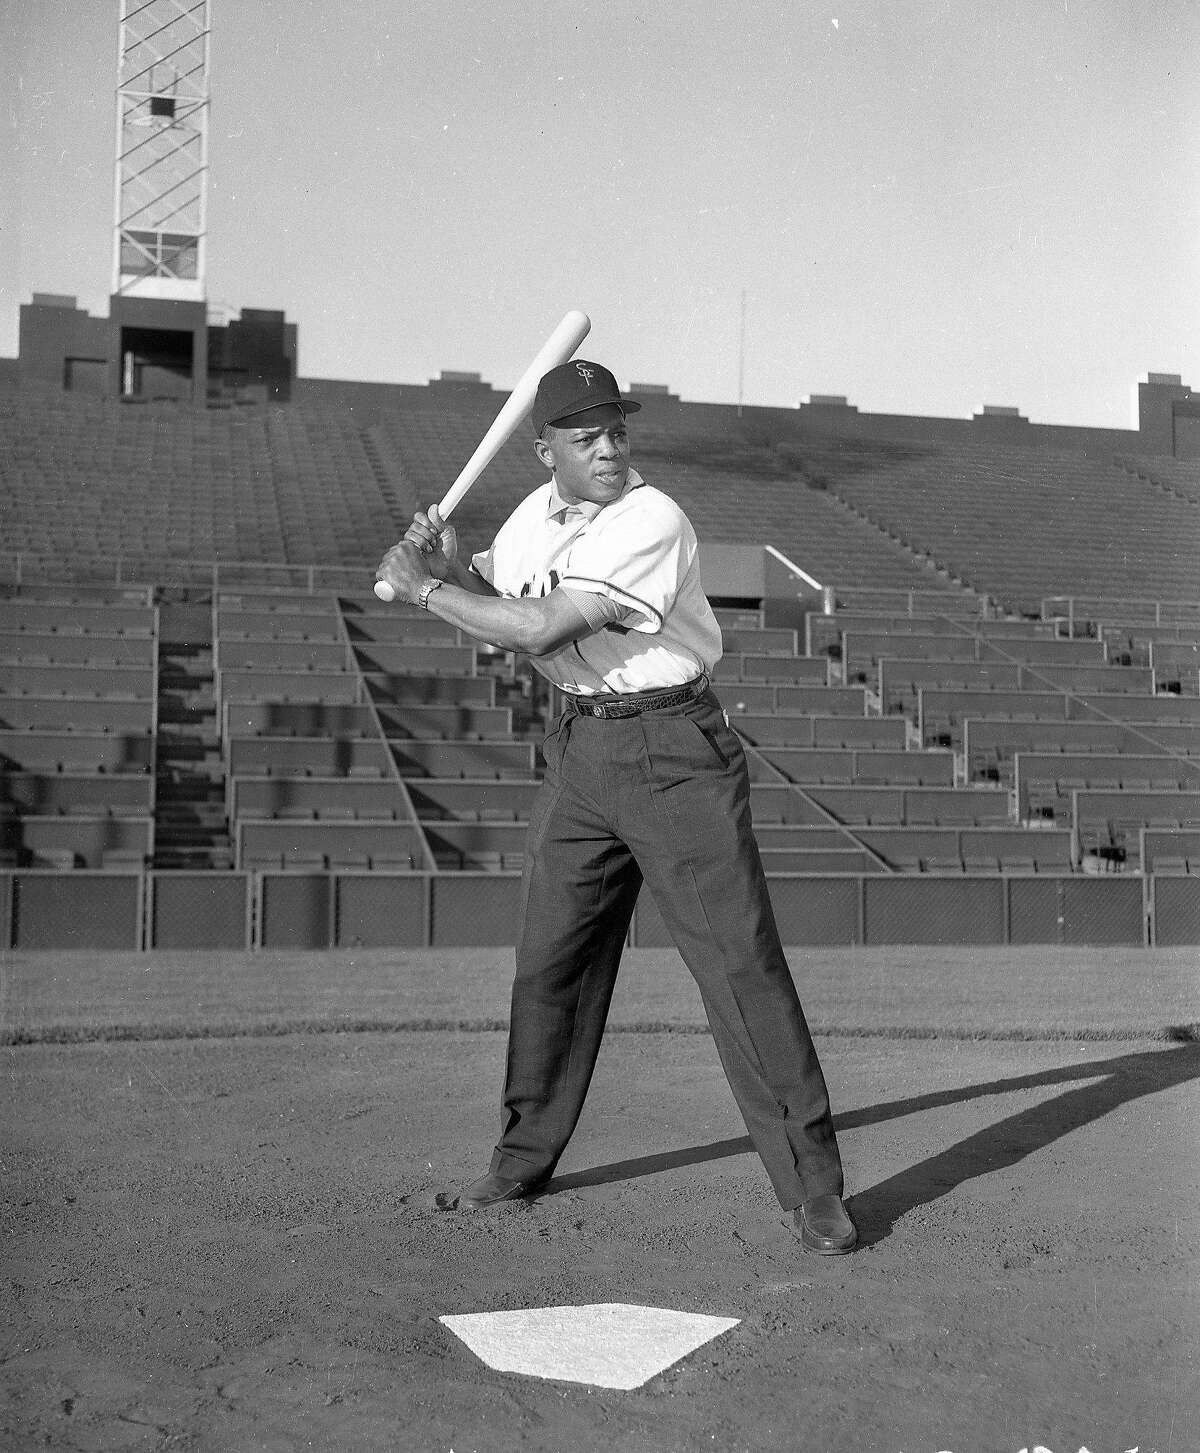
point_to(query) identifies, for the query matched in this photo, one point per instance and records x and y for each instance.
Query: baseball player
(594, 576)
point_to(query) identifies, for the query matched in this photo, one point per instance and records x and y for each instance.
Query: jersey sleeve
(483, 564)
(597, 609)
(637, 558)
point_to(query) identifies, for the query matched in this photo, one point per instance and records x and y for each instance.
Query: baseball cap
(573, 387)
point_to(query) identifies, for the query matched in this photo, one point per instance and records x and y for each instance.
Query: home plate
(610, 1344)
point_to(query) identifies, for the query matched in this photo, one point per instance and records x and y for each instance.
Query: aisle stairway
(191, 825)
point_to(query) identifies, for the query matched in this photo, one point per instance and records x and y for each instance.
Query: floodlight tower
(161, 173)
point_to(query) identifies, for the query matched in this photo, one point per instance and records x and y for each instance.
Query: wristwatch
(427, 590)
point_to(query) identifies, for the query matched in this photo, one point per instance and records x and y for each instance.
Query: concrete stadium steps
(1044, 783)
(1178, 477)
(986, 513)
(402, 753)
(316, 482)
(992, 746)
(743, 489)
(431, 446)
(944, 713)
(274, 484)
(733, 491)
(191, 822)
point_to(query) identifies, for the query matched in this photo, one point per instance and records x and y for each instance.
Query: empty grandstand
(967, 673)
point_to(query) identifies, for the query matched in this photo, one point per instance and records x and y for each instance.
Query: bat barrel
(572, 329)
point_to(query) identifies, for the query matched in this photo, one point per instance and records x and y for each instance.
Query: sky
(924, 205)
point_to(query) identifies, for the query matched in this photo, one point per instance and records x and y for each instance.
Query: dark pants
(663, 797)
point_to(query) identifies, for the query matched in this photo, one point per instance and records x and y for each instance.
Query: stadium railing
(990, 746)
(1045, 782)
(875, 767)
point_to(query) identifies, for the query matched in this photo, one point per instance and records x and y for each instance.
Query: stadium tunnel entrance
(156, 363)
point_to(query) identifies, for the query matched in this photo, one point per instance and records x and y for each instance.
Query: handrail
(1105, 610)
(367, 699)
(24, 567)
(1085, 699)
(780, 779)
(793, 567)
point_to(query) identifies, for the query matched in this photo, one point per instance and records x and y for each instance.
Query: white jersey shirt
(640, 552)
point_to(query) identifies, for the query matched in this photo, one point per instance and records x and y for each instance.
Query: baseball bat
(558, 348)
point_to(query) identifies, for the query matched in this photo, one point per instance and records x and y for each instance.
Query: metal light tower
(161, 170)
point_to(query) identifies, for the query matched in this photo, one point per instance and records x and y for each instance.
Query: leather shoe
(494, 1190)
(825, 1226)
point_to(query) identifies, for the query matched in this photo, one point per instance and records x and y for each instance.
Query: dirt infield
(219, 1223)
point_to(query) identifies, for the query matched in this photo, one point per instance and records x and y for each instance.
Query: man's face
(589, 456)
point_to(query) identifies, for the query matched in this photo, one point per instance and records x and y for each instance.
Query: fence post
(1149, 905)
(1005, 903)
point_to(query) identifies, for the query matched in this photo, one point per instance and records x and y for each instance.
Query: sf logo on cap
(585, 373)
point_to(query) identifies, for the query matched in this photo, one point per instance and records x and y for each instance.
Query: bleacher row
(1018, 523)
(703, 472)
(894, 515)
(81, 476)
(354, 736)
(319, 484)
(953, 721)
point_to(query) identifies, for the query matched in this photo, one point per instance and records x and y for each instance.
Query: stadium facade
(172, 349)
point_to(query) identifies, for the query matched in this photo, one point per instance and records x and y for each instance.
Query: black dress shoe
(825, 1226)
(494, 1190)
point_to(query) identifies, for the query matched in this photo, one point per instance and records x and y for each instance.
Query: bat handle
(437, 514)
(438, 517)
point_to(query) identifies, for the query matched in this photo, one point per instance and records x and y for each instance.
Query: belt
(633, 703)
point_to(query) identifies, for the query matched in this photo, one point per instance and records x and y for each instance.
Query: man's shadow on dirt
(1119, 1081)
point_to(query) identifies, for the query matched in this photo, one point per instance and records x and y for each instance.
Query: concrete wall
(1158, 398)
(170, 316)
(1185, 418)
(52, 330)
(63, 347)
(257, 350)
(767, 425)
(107, 910)
(733, 572)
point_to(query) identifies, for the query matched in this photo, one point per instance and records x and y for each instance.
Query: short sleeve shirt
(641, 552)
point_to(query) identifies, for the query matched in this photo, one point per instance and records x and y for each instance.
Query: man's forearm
(533, 625)
(513, 625)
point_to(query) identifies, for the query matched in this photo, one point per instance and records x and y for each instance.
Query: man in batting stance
(595, 577)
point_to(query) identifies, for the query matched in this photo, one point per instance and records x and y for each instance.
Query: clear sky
(928, 204)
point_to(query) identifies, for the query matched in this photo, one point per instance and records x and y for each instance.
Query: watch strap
(426, 591)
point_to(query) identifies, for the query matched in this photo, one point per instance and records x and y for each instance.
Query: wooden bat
(557, 349)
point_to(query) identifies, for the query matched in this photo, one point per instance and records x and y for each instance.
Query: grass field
(1036, 993)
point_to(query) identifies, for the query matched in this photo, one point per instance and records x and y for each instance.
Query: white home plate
(611, 1344)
